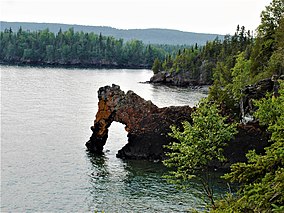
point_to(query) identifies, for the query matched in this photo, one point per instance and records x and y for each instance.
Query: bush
(198, 144)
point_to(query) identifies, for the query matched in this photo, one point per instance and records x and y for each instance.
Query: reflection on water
(137, 186)
(99, 166)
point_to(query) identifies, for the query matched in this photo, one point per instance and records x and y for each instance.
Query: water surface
(46, 114)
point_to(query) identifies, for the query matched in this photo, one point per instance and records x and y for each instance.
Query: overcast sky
(204, 16)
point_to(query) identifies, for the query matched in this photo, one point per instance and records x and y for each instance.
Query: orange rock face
(146, 124)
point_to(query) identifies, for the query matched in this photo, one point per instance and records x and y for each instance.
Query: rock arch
(147, 125)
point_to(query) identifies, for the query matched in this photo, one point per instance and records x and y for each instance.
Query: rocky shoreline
(180, 79)
(148, 127)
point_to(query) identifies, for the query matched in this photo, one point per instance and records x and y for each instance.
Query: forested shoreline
(197, 65)
(78, 49)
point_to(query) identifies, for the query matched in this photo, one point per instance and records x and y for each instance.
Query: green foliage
(262, 177)
(77, 48)
(240, 76)
(271, 114)
(184, 61)
(276, 62)
(156, 66)
(214, 60)
(270, 18)
(266, 42)
(197, 145)
(242, 61)
(237, 61)
(232, 69)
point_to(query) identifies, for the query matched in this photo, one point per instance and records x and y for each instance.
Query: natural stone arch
(146, 124)
(148, 127)
(117, 137)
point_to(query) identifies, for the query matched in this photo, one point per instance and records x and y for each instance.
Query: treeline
(77, 48)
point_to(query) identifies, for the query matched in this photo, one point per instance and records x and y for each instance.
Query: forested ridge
(70, 48)
(147, 36)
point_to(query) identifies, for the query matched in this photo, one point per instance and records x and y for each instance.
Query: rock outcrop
(254, 92)
(185, 78)
(181, 79)
(146, 124)
(148, 127)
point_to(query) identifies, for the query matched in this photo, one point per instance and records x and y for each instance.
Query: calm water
(46, 116)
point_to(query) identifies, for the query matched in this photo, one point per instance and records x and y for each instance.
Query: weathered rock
(148, 127)
(146, 124)
(186, 78)
(249, 137)
(181, 79)
(254, 92)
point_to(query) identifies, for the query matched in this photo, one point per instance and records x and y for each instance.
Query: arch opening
(117, 138)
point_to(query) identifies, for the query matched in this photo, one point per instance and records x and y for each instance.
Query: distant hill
(148, 36)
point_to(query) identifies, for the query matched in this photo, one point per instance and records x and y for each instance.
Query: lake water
(46, 114)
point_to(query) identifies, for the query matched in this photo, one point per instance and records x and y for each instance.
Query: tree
(168, 63)
(240, 75)
(270, 18)
(221, 91)
(265, 41)
(276, 62)
(50, 53)
(232, 71)
(197, 145)
(156, 66)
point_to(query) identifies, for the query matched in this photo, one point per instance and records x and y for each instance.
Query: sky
(202, 16)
